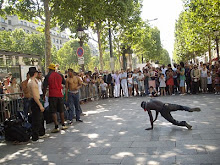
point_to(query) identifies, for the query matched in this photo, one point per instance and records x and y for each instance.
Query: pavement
(114, 133)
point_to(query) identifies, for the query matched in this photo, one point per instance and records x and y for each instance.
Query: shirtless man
(164, 110)
(73, 84)
(36, 106)
(26, 92)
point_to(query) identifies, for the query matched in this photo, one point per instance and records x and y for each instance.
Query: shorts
(163, 88)
(182, 83)
(56, 104)
(130, 85)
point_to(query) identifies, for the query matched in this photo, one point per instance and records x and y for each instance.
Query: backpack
(14, 131)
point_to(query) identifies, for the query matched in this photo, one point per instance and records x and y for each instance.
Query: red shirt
(54, 80)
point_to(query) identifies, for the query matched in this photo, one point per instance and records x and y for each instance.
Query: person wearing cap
(26, 92)
(37, 108)
(165, 111)
(54, 81)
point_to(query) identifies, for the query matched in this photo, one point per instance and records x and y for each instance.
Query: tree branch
(38, 10)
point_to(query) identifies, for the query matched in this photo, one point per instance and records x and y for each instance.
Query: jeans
(146, 89)
(26, 102)
(37, 121)
(167, 108)
(74, 106)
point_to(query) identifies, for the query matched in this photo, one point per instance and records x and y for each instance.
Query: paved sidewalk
(113, 133)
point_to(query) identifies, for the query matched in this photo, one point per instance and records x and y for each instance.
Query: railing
(11, 104)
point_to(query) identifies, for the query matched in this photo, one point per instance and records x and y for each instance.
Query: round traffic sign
(80, 52)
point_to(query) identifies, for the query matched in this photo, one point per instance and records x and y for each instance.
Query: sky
(167, 12)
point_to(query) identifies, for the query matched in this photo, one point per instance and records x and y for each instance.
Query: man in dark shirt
(164, 110)
(56, 104)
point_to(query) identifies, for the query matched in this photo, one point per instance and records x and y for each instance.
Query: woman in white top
(204, 78)
(135, 80)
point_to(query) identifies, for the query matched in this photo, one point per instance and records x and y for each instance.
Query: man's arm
(24, 88)
(151, 120)
(156, 116)
(66, 88)
(45, 85)
(36, 98)
(79, 83)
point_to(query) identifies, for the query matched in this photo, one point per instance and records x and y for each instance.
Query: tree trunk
(209, 44)
(47, 35)
(100, 46)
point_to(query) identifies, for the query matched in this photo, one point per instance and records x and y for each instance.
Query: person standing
(73, 84)
(140, 78)
(56, 104)
(182, 78)
(204, 74)
(195, 76)
(162, 81)
(26, 92)
(124, 83)
(36, 106)
(116, 78)
(39, 81)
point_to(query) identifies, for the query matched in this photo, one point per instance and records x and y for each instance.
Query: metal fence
(11, 104)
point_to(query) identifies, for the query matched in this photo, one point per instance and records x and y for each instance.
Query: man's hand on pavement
(149, 129)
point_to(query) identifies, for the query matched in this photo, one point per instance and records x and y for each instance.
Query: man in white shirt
(124, 83)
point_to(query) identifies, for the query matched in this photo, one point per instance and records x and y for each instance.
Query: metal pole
(110, 46)
(81, 44)
(217, 48)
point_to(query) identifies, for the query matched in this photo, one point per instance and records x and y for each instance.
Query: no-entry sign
(80, 52)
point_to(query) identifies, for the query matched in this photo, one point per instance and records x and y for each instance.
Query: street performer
(165, 110)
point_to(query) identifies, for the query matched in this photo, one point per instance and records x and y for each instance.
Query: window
(3, 28)
(25, 23)
(57, 41)
(9, 29)
(57, 47)
(2, 20)
(53, 40)
(9, 22)
(22, 22)
(60, 42)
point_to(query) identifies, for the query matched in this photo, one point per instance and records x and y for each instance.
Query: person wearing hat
(165, 111)
(36, 106)
(54, 81)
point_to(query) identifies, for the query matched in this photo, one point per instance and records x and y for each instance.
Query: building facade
(13, 22)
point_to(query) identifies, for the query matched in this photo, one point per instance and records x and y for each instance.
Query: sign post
(80, 53)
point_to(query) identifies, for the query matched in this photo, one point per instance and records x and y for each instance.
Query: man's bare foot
(188, 126)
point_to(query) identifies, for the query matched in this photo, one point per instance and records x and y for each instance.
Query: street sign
(80, 52)
(80, 60)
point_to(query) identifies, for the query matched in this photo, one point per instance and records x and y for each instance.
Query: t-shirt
(116, 78)
(162, 82)
(40, 86)
(209, 80)
(130, 80)
(204, 73)
(182, 77)
(123, 75)
(103, 86)
(54, 80)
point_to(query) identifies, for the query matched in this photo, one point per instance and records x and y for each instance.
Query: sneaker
(79, 120)
(44, 136)
(64, 127)
(195, 109)
(38, 141)
(69, 122)
(188, 126)
(55, 130)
